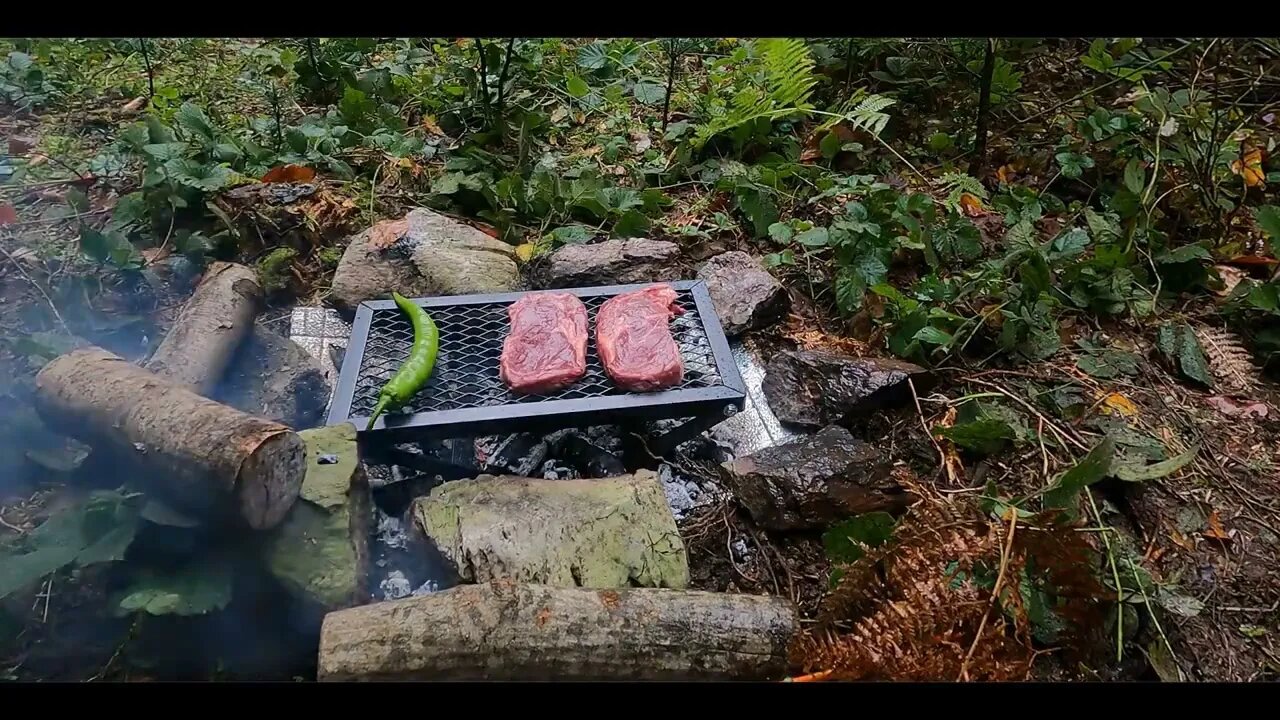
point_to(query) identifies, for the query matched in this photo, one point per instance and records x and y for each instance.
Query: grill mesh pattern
(471, 337)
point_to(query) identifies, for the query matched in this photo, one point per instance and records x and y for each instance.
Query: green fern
(863, 111)
(958, 184)
(789, 81)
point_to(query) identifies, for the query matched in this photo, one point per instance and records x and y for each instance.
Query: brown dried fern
(922, 618)
(1229, 361)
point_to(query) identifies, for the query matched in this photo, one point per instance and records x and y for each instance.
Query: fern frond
(1229, 361)
(789, 80)
(863, 111)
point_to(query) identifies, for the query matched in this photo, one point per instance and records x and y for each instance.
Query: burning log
(511, 631)
(197, 455)
(211, 326)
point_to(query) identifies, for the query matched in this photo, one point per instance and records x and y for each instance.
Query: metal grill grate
(465, 378)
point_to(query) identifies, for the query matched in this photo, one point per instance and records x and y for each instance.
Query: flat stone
(812, 482)
(818, 387)
(612, 262)
(745, 295)
(597, 533)
(273, 377)
(320, 552)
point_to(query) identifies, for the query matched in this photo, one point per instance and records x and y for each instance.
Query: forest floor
(1096, 300)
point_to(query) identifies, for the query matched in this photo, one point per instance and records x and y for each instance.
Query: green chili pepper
(416, 370)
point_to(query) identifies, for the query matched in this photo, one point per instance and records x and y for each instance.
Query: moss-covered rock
(320, 551)
(596, 533)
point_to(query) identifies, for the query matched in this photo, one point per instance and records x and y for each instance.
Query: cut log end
(271, 479)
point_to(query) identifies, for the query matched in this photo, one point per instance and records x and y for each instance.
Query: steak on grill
(546, 349)
(634, 340)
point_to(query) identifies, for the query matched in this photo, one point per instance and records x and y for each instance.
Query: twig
(995, 593)
(484, 79)
(12, 527)
(48, 593)
(811, 677)
(942, 455)
(1115, 574)
(1147, 601)
(37, 286)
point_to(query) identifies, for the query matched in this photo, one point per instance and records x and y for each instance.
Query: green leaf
(571, 234)
(648, 93)
(830, 145)
(986, 435)
(98, 529)
(633, 223)
(109, 247)
(577, 87)
(1135, 177)
(196, 588)
(848, 541)
(1268, 217)
(594, 56)
(813, 237)
(786, 257)
(1181, 348)
(1131, 471)
(1107, 362)
(781, 232)
(166, 151)
(193, 120)
(1183, 605)
(931, 334)
(1095, 466)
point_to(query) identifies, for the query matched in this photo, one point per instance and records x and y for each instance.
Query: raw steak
(634, 340)
(546, 349)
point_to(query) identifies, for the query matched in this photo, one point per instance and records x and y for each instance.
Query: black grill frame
(703, 405)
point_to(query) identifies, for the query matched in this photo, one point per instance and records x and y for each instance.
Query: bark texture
(510, 631)
(212, 325)
(200, 456)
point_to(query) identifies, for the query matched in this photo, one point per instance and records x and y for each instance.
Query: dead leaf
(1249, 168)
(1215, 529)
(1120, 404)
(1231, 277)
(1182, 541)
(559, 114)
(20, 145)
(37, 160)
(489, 230)
(971, 205)
(431, 125)
(8, 215)
(526, 251)
(289, 174)
(1247, 260)
(1232, 408)
(134, 105)
(384, 234)
(813, 145)
(642, 140)
(950, 458)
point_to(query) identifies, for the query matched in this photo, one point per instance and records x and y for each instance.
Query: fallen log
(512, 631)
(201, 457)
(212, 325)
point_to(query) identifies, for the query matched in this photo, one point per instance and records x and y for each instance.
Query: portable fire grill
(465, 396)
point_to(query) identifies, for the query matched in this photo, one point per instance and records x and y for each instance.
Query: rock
(423, 253)
(457, 259)
(596, 533)
(320, 553)
(745, 295)
(272, 376)
(370, 270)
(813, 481)
(818, 387)
(613, 262)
